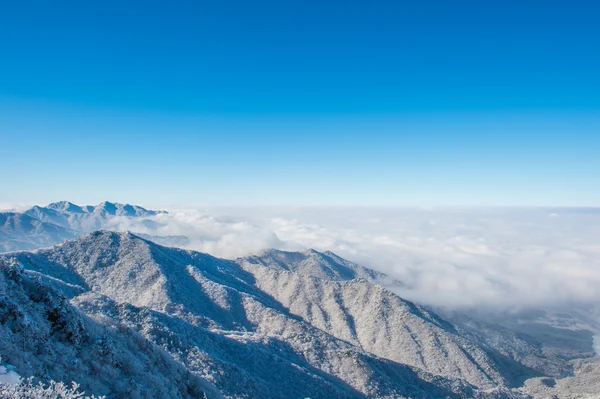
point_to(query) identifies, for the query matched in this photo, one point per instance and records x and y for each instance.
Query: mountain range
(85, 218)
(45, 226)
(126, 317)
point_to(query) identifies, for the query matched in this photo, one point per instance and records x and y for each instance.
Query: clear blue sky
(301, 102)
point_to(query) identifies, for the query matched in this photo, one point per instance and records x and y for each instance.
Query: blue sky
(301, 102)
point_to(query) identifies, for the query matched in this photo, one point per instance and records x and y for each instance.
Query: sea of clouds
(458, 257)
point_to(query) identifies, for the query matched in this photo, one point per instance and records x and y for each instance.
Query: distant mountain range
(85, 218)
(20, 231)
(45, 226)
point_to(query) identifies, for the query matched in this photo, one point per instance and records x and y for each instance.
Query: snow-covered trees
(53, 390)
(44, 336)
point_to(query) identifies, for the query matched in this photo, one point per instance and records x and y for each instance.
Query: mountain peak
(311, 252)
(314, 263)
(118, 209)
(117, 236)
(65, 207)
(107, 207)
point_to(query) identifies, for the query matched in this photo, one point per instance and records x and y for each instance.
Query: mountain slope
(583, 384)
(197, 304)
(545, 342)
(299, 361)
(382, 323)
(44, 336)
(313, 263)
(19, 231)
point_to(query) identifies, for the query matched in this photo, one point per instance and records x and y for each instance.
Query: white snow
(8, 376)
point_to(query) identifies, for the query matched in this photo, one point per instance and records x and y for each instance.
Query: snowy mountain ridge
(86, 218)
(325, 265)
(277, 324)
(247, 318)
(40, 226)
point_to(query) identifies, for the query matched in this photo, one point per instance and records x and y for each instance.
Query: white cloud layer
(12, 207)
(457, 257)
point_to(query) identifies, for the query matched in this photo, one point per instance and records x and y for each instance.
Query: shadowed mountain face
(278, 325)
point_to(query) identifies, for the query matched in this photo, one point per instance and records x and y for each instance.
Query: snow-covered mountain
(583, 384)
(43, 335)
(86, 218)
(311, 325)
(544, 342)
(373, 318)
(326, 265)
(19, 231)
(274, 325)
(41, 227)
